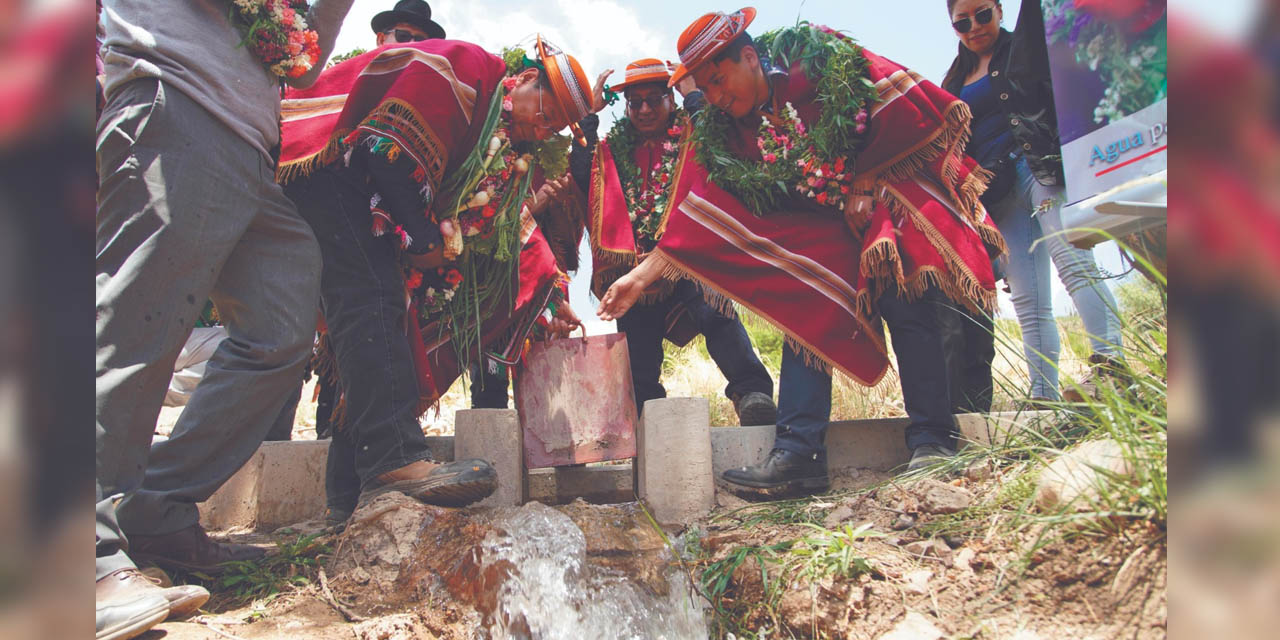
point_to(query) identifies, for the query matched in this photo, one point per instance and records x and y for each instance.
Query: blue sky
(610, 33)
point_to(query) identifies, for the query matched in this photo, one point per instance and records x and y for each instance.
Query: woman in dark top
(1004, 78)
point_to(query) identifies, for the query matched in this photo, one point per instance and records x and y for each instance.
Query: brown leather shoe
(127, 607)
(183, 599)
(454, 484)
(189, 550)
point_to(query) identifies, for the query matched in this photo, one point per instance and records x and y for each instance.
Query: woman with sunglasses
(1004, 78)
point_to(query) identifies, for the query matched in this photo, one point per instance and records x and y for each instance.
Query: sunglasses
(983, 16)
(403, 36)
(654, 101)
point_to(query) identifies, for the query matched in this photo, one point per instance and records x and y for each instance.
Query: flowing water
(552, 591)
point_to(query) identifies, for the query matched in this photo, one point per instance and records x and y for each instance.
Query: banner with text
(1109, 61)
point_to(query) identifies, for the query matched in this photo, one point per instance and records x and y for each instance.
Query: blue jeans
(1028, 275)
(727, 343)
(804, 393)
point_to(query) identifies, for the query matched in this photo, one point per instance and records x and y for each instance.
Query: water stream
(554, 592)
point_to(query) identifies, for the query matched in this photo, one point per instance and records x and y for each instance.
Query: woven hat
(569, 83)
(703, 39)
(643, 71)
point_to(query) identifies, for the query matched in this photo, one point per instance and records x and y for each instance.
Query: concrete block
(993, 429)
(739, 446)
(878, 444)
(282, 484)
(673, 459)
(597, 484)
(493, 435)
(441, 448)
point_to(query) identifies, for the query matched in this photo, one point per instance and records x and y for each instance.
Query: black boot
(782, 471)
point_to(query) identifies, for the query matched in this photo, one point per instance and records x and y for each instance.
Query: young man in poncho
(827, 191)
(627, 186)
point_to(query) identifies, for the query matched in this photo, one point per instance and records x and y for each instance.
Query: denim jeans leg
(969, 347)
(1079, 274)
(1029, 279)
(804, 406)
(644, 326)
(728, 345)
(922, 366)
(363, 296)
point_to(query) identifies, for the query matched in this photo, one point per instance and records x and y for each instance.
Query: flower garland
(822, 169)
(646, 198)
(276, 32)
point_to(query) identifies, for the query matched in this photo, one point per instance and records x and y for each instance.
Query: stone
(840, 513)
(964, 559)
(494, 436)
(941, 498)
(598, 484)
(400, 626)
(905, 521)
(674, 459)
(979, 470)
(917, 582)
(914, 627)
(931, 548)
(1075, 477)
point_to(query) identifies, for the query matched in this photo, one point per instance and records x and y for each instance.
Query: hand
(427, 261)
(550, 190)
(597, 91)
(686, 84)
(564, 322)
(620, 297)
(860, 205)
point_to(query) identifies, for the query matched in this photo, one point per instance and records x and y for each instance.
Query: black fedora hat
(415, 12)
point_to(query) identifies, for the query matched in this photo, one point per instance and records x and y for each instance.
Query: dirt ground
(925, 576)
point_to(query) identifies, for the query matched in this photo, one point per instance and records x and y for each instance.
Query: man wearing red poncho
(826, 193)
(407, 163)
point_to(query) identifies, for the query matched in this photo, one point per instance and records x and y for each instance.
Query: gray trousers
(188, 211)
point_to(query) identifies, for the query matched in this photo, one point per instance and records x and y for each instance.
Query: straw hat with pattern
(643, 71)
(569, 84)
(703, 39)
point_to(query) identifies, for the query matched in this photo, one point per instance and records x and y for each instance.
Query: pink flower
(861, 117)
(799, 128)
(861, 128)
(770, 158)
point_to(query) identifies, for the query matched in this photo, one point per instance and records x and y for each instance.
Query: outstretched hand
(621, 297)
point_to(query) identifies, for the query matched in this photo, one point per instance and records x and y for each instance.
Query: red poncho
(430, 99)
(817, 276)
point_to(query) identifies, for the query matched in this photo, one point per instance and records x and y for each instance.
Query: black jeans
(969, 342)
(362, 291)
(488, 386)
(804, 393)
(727, 343)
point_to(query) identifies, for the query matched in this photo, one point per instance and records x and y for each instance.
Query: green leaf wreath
(843, 88)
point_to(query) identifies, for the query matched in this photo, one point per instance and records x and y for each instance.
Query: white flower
(471, 231)
(430, 292)
(448, 295)
(632, 215)
(1135, 60)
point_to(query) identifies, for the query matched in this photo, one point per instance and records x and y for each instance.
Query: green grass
(293, 565)
(1131, 410)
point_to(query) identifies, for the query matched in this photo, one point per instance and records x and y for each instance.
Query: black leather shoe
(190, 550)
(782, 471)
(756, 409)
(927, 454)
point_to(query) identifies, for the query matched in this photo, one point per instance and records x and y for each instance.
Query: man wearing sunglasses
(627, 180)
(409, 21)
